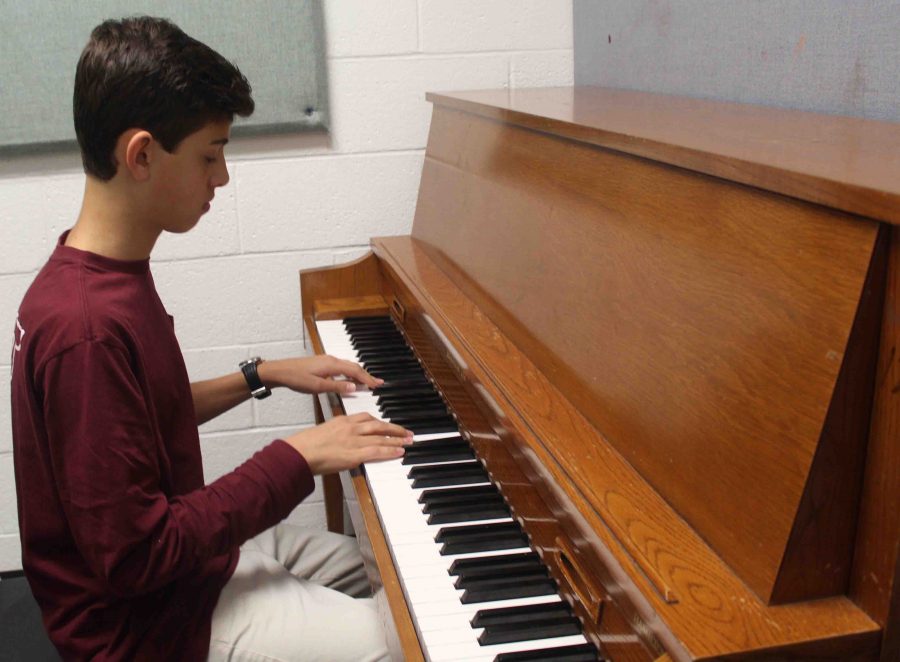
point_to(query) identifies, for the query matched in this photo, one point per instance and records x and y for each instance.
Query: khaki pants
(297, 594)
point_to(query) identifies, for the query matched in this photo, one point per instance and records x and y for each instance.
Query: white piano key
(440, 650)
(446, 608)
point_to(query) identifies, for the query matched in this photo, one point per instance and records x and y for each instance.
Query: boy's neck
(107, 225)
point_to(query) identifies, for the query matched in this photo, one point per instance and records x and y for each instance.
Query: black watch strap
(257, 389)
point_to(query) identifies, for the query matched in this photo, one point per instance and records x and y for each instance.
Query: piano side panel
(876, 576)
(700, 325)
(359, 279)
(819, 556)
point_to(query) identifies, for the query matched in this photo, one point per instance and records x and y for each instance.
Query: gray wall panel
(833, 56)
(278, 44)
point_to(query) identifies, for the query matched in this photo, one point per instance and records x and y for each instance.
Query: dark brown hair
(146, 73)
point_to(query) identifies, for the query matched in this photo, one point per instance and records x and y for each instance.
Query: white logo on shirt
(18, 336)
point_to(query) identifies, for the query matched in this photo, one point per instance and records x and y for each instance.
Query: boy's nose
(221, 177)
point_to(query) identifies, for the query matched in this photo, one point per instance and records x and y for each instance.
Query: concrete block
(215, 362)
(542, 69)
(224, 451)
(9, 516)
(350, 254)
(240, 300)
(5, 413)
(472, 25)
(10, 553)
(326, 202)
(361, 27)
(284, 407)
(379, 104)
(34, 211)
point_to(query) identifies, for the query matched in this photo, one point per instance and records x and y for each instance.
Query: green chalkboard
(277, 44)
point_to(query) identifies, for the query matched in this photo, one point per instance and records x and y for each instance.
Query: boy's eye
(209, 159)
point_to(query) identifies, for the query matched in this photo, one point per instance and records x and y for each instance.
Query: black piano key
(469, 514)
(428, 427)
(374, 348)
(389, 336)
(410, 398)
(486, 565)
(412, 420)
(439, 411)
(362, 319)
(399, 373)
(440, 442)
(355, 329)
(455, 532)
(376, 359)
(399, 353)
(424, 401)
(464, 502)
(562, 626)
(390, 375)
(522, 614)
(577, 653)
(355, 323)
(524, 588)
(502, 578)
(402, 364)
(480, 538)
(427, 446)
(442, 475)
(463, 453)
(449, 496)
(429, 416)
(425, 404)
(393, 375)
(408, 394)
(418, 385)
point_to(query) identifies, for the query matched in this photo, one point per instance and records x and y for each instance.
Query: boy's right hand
(345, 442)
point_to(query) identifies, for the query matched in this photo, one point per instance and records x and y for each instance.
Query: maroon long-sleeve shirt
(125, 549)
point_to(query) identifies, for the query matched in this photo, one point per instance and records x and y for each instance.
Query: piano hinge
(579, 580)
(399, 310)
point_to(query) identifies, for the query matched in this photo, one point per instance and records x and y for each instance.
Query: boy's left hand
(315, 374)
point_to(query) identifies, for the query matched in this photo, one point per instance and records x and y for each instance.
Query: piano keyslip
(414, 498)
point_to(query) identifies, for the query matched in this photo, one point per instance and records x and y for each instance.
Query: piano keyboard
(475, 588)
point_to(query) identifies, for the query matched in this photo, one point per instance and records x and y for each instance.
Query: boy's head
(146, 73)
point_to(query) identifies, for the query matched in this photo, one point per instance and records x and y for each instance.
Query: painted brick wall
(293, 202)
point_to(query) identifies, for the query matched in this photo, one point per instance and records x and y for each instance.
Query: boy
(127, 552)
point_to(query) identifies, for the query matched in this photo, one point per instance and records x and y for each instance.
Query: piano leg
(332, 488)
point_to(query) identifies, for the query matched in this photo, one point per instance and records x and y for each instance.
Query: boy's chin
(183, 227)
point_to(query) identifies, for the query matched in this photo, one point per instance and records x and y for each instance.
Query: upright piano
(648, 345)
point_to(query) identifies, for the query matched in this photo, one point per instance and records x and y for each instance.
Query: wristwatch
(257, 389)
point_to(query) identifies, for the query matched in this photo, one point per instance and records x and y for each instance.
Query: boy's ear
(136, 146)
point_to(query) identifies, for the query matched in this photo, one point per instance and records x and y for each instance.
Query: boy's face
(186, 179)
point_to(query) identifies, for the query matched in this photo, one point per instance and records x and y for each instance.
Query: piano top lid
(852, 164)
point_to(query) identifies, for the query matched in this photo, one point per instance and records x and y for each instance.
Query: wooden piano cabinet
(669, 329)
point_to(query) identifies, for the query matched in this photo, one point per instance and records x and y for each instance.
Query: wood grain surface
(848, 163)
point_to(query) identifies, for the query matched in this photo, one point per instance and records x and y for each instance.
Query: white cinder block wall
(293, 201)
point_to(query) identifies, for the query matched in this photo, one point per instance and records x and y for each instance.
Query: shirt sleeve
(105, 454)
